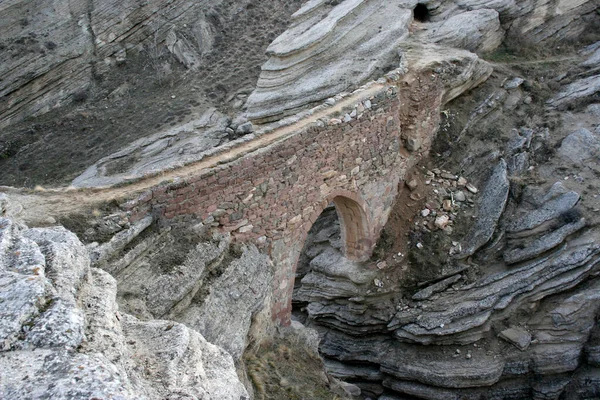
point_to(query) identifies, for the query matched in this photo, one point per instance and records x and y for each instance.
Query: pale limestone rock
(328, 49)
(477, 31)
(176, 146)
(62, 336)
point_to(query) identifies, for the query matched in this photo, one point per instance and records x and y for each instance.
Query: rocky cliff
(494, 292)
(332, 47)
(60, 319)
(484, 283)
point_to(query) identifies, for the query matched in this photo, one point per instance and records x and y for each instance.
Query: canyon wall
(53, 51)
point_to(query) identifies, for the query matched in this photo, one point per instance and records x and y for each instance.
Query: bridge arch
(355, 226)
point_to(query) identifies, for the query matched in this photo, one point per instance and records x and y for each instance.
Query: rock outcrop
(515, 294)
(62, 335)
(327, 50)
(50, 51)
(162, 151)
(204, 282)
(382, 344)
(49, 56)
(331, 48)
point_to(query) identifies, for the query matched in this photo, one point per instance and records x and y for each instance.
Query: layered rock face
(62, 335)
(327, 50)
(512, 310)
(206, 284)
(50, 50)
(462, 340)
(333, 47)
(53, 52)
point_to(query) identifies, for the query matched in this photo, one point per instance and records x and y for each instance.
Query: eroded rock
(63, 337)
(492, 202)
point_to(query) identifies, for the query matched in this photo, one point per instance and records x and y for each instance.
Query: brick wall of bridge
(273, 195)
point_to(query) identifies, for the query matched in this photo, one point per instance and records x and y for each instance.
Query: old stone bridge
(356, 160)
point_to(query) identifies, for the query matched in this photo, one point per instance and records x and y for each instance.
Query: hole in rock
(421, 13)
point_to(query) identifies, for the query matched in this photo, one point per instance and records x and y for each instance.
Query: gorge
(403, 201)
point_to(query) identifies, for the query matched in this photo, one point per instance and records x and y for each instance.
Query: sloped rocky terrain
(497, 294)
(83, 80)
(484, 282)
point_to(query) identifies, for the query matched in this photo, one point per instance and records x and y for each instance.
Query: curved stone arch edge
(346, 203)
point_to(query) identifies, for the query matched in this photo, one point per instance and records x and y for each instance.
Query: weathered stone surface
(52, 300)
(513, 83)
(516, 336)
(61, 375)
(461, 316)
(446, 372)
(117, 243)
(50, 54)
(429, 291)
(492, 202)
(562, 331)
(42, 72)
(476, 31)
(592, 52)
(224, 315)
(333, 276)
(343, 371)
(327, 50)
(577, 91)
(519, 142)
(144, 277)
(580, 147)
(177, 146)
(543, 244)
(551, 209)
(446, 62)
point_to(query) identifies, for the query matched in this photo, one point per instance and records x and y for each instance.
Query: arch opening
(341, 232)
(324, 235)
(421, 13)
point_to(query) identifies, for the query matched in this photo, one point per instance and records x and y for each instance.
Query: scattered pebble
(442, 221)
(471, 188)
(447, 205)
(460, 196)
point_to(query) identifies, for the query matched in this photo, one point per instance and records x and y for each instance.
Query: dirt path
(38, 205)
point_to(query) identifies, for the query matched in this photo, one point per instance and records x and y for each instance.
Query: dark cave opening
(421, 13)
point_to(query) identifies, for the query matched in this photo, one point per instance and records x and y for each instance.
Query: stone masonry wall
(273, 195)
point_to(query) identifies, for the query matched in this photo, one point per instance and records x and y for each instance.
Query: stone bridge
(272, 195)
